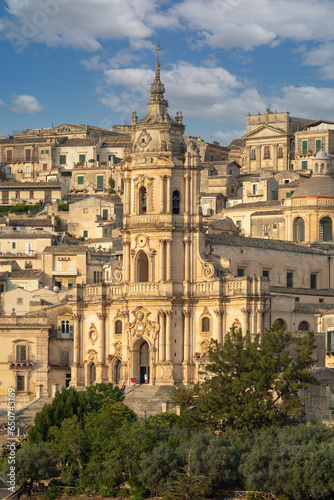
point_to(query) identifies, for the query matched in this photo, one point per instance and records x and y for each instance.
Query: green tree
(295, 461)
(111, 189)
(70, 402)
(255, 381)
(33, 463)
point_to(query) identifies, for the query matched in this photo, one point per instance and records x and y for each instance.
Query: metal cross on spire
(157, 49)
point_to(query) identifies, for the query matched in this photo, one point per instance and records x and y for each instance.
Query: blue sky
(92, 61)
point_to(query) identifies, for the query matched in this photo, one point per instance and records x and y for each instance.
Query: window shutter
(304, 147)
(80, 179)
(99, 182)
(329, 341)
(317, 145)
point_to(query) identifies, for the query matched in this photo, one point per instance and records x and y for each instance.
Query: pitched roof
(26, 273)
(256, 204)
(78, 142)
(66, 249)
(277, 245)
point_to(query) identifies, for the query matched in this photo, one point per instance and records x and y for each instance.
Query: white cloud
(200, 92)
(1, 102)
(322, 56)
(26, 104)
(81, 24)
(226, 24)
(225, 138)
(250, 23)
(306, 102)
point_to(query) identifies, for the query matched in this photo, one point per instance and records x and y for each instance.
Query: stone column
(169, 259)
(258, 157)
(186, 356)
(285, 157)
(101, 347)
(259, 324)
(275, 162)
(245, 313)
(162, 337)
(168, 209)
(127, 196)
(76, 350)
(162, 194)
(248, 159)
(218, 335)
(162, 260)
(186, 194)
(132, 265)
(186, 258)
(169, 345)
(267, 316)
(126, 261)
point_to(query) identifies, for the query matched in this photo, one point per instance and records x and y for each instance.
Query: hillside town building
(197, 238)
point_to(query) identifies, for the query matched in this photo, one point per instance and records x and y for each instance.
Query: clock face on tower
(143, 140)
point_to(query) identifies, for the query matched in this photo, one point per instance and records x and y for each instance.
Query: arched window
(316, 168)
(304, 326)
(118, 327)
(142, 267)
(325, 229)
(205, 324)
(322, 167)
(281, 323)
(176, 202)
(299, 230)
(142, 201)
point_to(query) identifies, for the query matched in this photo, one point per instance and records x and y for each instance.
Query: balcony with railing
(16, 361)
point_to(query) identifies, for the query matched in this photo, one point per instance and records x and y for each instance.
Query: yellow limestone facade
(153, 316)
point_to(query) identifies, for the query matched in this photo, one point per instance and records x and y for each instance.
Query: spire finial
(157, 49)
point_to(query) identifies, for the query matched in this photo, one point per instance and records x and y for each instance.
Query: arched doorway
(118, 372)
(142, 267)
(144, 361)
(92, 374)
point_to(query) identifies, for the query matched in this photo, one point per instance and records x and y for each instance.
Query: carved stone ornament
(91, 357)
(121, 314)
(141, 240)
(205, 312)
(92, 334)
(117, 274)
(204, 346)
(208, 269)
(142, 325)
(118, 349)
(143, 140)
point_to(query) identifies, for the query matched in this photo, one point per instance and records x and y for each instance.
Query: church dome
(317, 185)
(322, 155)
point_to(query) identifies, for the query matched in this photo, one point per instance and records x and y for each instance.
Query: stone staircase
(25, 416)
(147, 398)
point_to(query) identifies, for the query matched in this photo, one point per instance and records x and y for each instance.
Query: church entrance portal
(144, 356)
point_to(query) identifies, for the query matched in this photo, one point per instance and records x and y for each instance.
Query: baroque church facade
(155, 312)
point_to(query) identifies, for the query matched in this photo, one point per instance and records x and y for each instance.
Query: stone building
(159, 308)
(270, 140)
(95, 216)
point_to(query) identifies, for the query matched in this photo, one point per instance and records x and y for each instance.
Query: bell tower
(162, 234)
